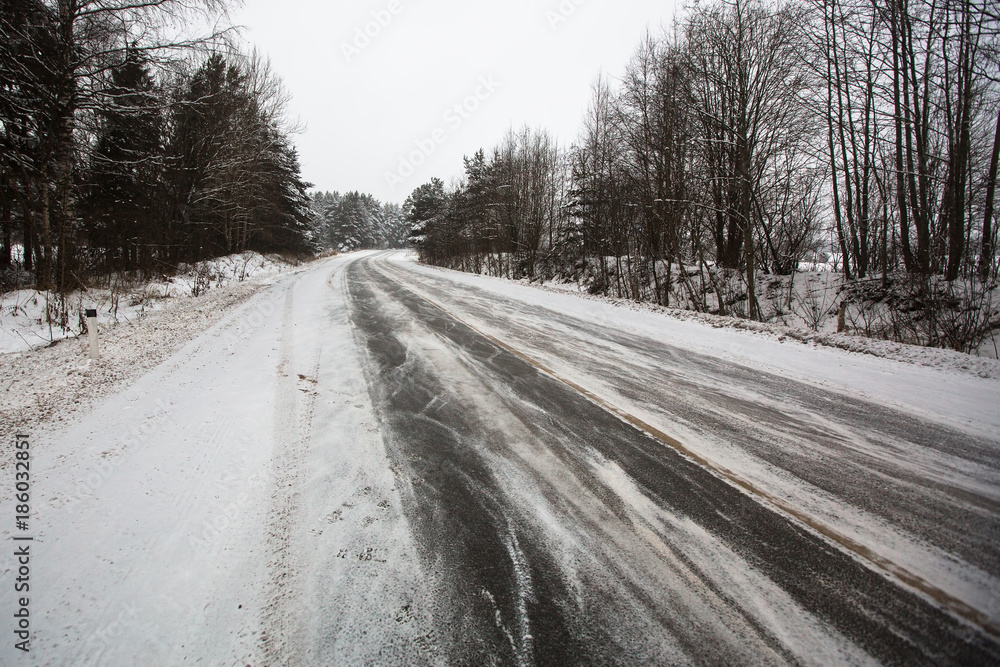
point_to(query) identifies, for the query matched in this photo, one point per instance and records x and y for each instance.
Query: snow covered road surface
(899, 459)
(224, 504)
(341, 472)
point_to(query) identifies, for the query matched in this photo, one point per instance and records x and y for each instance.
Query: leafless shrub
(814, 306)
(203, 277)
(926, 311)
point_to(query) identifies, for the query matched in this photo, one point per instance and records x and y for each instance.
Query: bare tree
(746, 84)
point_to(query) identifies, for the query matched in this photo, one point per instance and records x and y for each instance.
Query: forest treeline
(752, 136)
(356, 221)
(127, 146)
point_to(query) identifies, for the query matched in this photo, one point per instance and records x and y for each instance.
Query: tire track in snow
(281, 637)
(469, 543)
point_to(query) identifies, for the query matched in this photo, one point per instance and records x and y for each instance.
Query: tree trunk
(956, 218)
(8, 225)
(744, 194)
(29, 246)
(963, 149)
(915, 134)
(63, 152)
(904, 224)
(986, 255)
(753, 308)
(837, 213)
(43, 277)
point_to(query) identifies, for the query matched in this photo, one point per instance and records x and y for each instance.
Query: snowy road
(377, 462)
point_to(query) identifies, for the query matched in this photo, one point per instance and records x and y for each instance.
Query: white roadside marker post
(95, 352)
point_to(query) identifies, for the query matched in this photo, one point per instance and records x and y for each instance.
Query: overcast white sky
(393, 99)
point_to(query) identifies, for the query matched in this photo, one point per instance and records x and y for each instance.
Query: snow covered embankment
(52, 381)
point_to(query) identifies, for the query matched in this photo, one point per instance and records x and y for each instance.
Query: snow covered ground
(163, 517)
(48, 384)
(25, 321)
(806, 305)
(227, 486)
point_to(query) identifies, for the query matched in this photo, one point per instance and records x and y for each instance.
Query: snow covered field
(322, 468)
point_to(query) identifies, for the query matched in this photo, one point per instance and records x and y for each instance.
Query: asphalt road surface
(558, 533)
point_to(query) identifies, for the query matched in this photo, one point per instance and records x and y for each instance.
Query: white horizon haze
(391, 93)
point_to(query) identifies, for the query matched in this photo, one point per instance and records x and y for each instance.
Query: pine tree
(122, 193)
(424, 210)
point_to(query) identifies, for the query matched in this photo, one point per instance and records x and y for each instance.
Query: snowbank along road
(378, 462)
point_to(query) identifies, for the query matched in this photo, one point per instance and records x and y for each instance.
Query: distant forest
(356, 221)
(750, 140)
